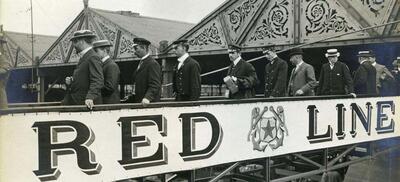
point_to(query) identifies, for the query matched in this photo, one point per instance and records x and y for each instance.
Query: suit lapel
(85, 56)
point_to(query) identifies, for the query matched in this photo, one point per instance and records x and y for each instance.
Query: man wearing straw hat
(84, 87)
(365, 75)
(396, 75)
(335, 78)
(4, 74)
(111, 72)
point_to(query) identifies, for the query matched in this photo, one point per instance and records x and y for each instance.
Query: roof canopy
(18, 49)
(257, 23)
(119, 27)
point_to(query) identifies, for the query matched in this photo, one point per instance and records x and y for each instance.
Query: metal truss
(305, 166)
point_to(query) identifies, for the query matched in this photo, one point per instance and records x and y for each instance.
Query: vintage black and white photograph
(199, 90)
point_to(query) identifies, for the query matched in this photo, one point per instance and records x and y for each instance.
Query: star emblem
(268, 130)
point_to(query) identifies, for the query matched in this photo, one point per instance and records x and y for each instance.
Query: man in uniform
(302, 79)
(275, 75)
(335, 77)
(147, 76)
(365, 75)
(84, 87)
(241, 78)
(4, 74)
(111, 72)
(384, 79)
(186, 80)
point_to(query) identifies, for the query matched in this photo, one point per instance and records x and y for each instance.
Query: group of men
(96, 77)
(335, 78)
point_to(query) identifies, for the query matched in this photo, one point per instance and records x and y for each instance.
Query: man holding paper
(242, 78)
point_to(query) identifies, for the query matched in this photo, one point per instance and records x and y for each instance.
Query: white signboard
(120, 144)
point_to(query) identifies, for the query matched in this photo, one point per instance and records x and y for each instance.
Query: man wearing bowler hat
(147, 76)
(275, 75)
(365, 75)
(302, 79)
(241, 78)
(4, 74)
(111, 72)
(335, 77)
(186, 80)
(84, 87)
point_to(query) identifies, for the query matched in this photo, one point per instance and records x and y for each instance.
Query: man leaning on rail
(84, 87)
(241, 78)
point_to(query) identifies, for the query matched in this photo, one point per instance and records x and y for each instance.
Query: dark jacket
(365, 79)
(187, 81)
(147, 80)
(110, 90)
(275, 78)
(246, 79)
(302, 79)
(4, 74)
(87, 81)
(336, 81)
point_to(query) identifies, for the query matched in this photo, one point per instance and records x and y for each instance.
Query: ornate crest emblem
(267, 128)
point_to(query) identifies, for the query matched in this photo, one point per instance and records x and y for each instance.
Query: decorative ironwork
(126, 46)
(110, 34)
(208, 36)
(54, 56)
(374, 5)
(238, 15)
(275, 24)
(323, 19)
(22, 60)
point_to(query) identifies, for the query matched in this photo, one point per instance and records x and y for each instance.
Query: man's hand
(234, 78)
(145, 102)
(353, 94)
(299, 92)
(89, 103)
(68, 80)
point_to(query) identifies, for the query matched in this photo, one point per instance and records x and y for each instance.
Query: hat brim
(82, 36)
(365, 55)
(332, 55)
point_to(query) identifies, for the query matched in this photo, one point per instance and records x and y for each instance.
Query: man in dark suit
(111, 72)
(147, 76)
(275, 75)
(241, 74)
(365, 75)
(186, 80)
(302, 79)
(84, 87)
(396, 75)
(384, 79)
(335, 77)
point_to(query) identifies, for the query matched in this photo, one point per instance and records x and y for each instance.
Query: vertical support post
(192, 175)
(41, 88)
(267, 169)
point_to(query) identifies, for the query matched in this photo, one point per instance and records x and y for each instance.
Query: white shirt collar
(374, 64)
(298, 65)
(83, 52)
(363, 61)
(237, 60)
(105, 59)
(273, 59)
(144, 57)
(183, 58)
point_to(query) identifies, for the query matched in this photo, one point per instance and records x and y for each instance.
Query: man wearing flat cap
(111, 72)
(335, 77)
(241, 79)
(275, 75)
(365, 75)
(186, 79)
(4, 74)
(384, 78)
(147, 76)
(302, 79)
(84, 87)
